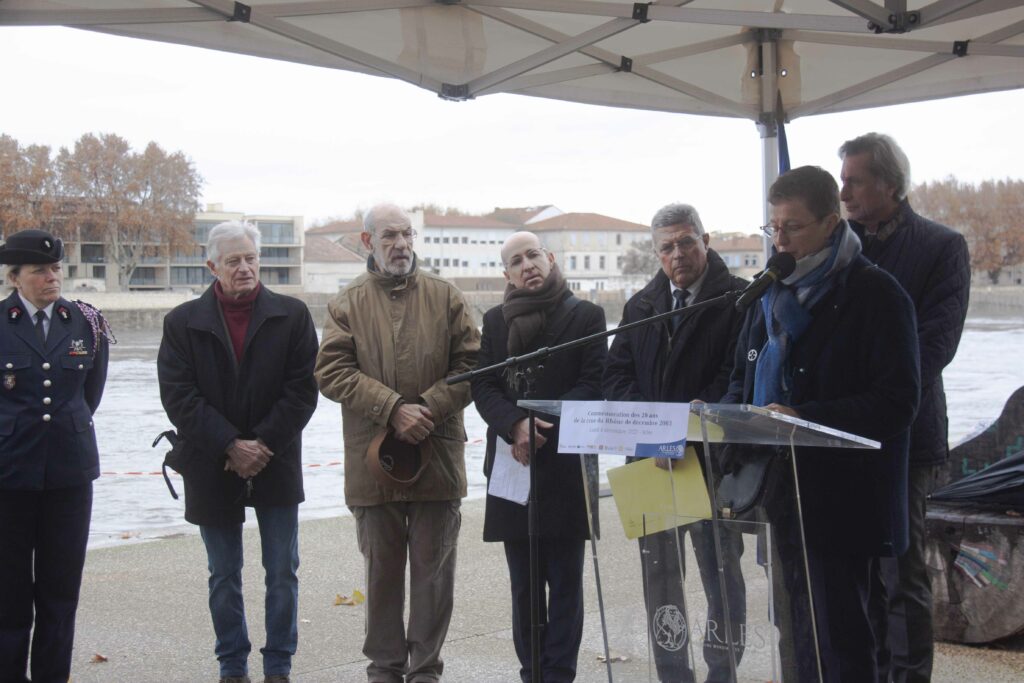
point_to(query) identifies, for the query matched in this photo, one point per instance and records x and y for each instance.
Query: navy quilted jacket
(932, 263)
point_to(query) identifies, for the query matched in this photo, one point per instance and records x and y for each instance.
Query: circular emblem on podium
(669, 627)
(752, 355)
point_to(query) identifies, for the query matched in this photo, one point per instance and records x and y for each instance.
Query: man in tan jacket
(391, 338)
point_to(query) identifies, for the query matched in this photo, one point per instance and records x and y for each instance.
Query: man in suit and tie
(686, 358)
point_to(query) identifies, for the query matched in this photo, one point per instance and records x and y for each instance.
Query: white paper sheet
(509, 479)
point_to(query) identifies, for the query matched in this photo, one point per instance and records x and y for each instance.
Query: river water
(132, 502)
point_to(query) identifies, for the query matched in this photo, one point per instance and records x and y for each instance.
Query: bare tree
(640, 259)
(139, 204)
(28, 188)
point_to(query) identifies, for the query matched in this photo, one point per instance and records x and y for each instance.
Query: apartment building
(89, 266)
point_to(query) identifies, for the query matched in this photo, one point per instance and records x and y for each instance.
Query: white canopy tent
(764, 60)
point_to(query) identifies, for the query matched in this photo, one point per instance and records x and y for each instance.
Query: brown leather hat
(395, 464)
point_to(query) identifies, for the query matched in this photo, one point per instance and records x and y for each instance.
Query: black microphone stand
(527, 368)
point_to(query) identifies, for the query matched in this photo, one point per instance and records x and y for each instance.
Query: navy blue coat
(854, 369)
(211, 399)
(647, 364)
(933, 265)
(573, 375)
(48, 397)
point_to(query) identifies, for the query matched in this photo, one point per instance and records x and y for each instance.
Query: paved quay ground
(143, 608)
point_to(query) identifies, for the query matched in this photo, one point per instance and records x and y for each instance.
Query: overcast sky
(271, 137)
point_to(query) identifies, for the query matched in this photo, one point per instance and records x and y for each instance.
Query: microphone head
(782, 263)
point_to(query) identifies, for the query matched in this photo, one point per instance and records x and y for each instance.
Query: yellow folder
(644, 494)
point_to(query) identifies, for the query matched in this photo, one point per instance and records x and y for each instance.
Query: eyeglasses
(391, 236)
(788, 230)
(684, 245)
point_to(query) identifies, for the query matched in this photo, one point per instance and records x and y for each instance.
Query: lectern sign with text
(624, 428)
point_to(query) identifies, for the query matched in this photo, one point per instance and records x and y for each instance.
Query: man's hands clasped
(247, 457)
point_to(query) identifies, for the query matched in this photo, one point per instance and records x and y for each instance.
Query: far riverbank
(146, 310)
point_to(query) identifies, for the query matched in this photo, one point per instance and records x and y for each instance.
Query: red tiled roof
(586, 221)
(517, 216)
(322, 250)
(432, 220)
(737, 243)
(337, 228)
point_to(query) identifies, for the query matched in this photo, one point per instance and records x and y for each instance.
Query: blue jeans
(279, 541)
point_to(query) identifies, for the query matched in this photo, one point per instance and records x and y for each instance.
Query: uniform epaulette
(97, 322)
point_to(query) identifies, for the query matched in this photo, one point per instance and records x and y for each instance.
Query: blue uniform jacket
(48, 397)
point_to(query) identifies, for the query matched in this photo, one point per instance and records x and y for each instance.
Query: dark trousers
(901, 595)
(666, 613)
(43, 535)
(561, 612)
(841, 586)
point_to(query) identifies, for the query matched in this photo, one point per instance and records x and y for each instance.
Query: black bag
(175, 458)
(752, 478)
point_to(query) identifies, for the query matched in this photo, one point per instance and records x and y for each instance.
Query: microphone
(779, 267)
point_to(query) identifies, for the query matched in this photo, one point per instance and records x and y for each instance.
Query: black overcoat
(211, 399)
(855, 369)
(932, 263)
(48, 395)
(573, 375)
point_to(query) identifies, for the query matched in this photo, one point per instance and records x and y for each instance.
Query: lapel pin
(64, 314)
(14, 314)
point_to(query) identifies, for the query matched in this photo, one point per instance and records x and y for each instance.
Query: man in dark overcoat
(687, 358)
(236, 380)
(833, 343)
(933, 265)
(53, 363)
(539, 310)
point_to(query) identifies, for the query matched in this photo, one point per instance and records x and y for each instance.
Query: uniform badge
(752, 355)
(64, 314)
(9, 381)
(78, 348)
(14, 314)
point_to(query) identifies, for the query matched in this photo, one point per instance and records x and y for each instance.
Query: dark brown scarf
(526, 310)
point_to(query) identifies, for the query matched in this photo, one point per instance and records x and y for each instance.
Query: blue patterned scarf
(787, 307)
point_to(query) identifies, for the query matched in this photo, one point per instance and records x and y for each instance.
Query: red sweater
(237, 314)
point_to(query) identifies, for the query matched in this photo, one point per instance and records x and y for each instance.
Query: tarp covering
(717, 57)
(1000, 485)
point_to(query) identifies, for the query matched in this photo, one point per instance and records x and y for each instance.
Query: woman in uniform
(53, 364)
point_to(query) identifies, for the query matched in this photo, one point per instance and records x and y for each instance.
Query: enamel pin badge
(64, 314)
(78, 348)
(9, 381)
(14, 314)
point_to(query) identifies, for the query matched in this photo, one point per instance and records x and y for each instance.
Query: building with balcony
(89, 266)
